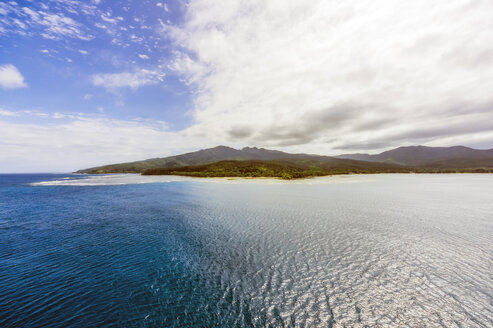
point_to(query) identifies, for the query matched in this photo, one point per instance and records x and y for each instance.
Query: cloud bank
(329, 75)
(70, 141)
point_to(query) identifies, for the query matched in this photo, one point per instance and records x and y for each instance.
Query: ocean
(389, 250)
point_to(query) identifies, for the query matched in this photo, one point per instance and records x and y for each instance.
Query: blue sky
(85, 83)
(59, 46)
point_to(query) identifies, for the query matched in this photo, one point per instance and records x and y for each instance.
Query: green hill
(252, 161)
(286, 169)
(204, 156)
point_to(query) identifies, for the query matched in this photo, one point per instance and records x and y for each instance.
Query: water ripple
(402, 250)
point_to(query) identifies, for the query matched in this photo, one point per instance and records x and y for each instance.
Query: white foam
(107, 180)
(125, 179)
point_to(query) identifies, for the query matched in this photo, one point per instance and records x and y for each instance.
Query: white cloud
(143, 56)
(56, 26)
(132, 80)
(4, 112)
(19, 23)
(322, 75)
(10, 77)
(58, 115)
(163, 5)
(76, 142)
(84, 52)
(101, 26)
(33, 113)
(107, 18)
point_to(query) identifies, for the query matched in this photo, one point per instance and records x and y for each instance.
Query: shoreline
(316, 176)
(273, 177)
(132, 178)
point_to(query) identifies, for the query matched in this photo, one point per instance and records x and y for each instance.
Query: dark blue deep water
(123, 251)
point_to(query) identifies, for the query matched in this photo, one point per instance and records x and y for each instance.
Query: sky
(87, 83)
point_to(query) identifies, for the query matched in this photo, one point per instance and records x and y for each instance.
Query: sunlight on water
(381, 251)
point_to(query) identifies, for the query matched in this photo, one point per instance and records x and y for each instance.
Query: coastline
(132, 178)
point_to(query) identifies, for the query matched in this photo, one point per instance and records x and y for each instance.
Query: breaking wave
(80, 180)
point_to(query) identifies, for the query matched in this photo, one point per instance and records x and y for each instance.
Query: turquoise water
(353, 251)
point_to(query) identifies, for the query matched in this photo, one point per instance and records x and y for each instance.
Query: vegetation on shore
(290, 169)
(224, 161)
(273, 169)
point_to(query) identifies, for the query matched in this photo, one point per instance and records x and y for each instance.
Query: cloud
(325, 75)
(49, 20)
(11, 78)
(131, 80)
(107, 18)
(4, 112)
(58, 115)
(56, 26)
(72, 141)
(143, 56)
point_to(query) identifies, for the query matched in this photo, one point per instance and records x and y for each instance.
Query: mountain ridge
(422, 156)
(456, 157)
(202, 156)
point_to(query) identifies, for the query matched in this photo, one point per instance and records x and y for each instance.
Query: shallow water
(353, 251)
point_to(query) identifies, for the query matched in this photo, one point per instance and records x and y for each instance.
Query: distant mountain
(439, 158)
(422, 156)
(204, 156)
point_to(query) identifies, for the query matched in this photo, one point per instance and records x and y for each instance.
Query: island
(253, 162)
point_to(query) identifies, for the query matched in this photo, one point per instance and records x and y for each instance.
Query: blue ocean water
(355, 251)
